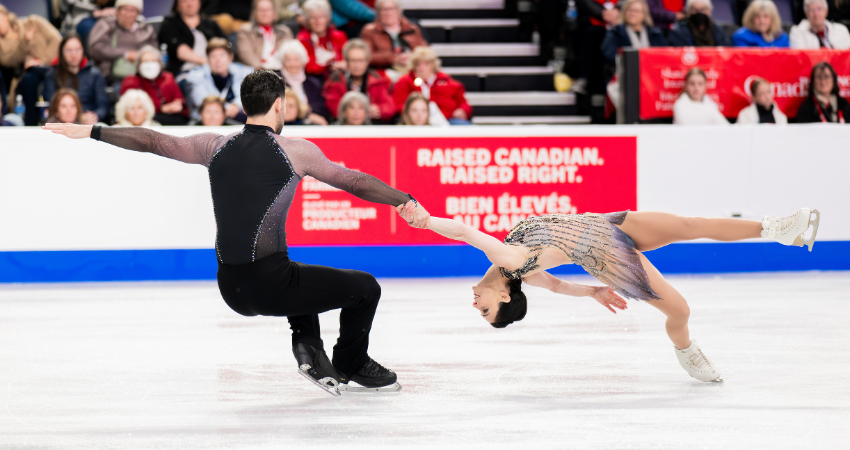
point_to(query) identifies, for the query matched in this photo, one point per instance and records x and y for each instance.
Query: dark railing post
(630, 87)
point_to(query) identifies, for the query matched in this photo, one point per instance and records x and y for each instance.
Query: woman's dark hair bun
(513, 311)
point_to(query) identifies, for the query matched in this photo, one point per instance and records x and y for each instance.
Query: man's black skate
(314, 365)
(373, 377)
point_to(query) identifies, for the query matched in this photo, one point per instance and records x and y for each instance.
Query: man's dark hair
(513, 311)
(259, 91)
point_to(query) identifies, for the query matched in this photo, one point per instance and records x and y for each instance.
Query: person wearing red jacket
(359, 78)
(322, 41)
(159, 84)
(439, 88)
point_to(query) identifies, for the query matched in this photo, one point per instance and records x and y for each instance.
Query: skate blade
(332, 388)
(799, 241)
(388, 389)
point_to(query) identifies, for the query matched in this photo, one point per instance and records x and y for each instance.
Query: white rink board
(169, 366)
(59, 194)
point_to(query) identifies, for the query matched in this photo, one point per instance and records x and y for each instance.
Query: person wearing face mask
(114, 42)
(694, 107)
(697, 29)
(824, 103)
(221, 77)
(360, 79)
(762, 27)
(762, 109)
(135, 109)
(815, 31)
(170, 106)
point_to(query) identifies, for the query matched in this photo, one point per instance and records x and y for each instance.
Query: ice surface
(168, 365)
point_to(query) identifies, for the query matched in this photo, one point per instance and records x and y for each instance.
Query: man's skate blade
(388, 389)
(333, 390)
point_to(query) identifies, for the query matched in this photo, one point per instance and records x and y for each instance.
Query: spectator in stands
(666, 12)
(308, 88)
(258, 43)
(186, 35)
(602, 15)
(296, 110)
(694, 107)
(65, 107)
(135, 109)
(212, 112)
(351, 15)
(361, 79)
(32, 43)
(425, 76)
(321, 39)
(230, 15)
(762, 109)
(635, 30)
(82, 15)
(815, 31)
(416, 110)
(221, 77)
(391, 38)
(762, 27)
(115, 41)
(354, 109)
(824, 103)
(75, 72)
(170, 106)
(697, 29)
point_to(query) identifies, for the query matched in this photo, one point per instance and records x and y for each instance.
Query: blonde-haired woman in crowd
(438, 87)
(694, 107)
(762, 27)
(762, 109)
(135, 109)
(416, 110)
(354, 109)
(297, 112)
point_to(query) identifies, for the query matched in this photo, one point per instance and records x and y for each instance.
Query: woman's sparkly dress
(589, 240)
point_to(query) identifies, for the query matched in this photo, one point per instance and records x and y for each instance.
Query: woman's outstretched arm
(602, 294)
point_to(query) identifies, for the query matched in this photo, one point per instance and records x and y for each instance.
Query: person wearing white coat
(694, 107)
(816, 32)
(762, 109)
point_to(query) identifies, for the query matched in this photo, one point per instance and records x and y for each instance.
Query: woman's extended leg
(651, 230)
(673, 305)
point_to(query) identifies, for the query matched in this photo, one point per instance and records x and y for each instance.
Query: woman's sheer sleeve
(308, 159)
(194, 149)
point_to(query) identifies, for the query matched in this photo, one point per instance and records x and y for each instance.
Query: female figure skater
(609, 247)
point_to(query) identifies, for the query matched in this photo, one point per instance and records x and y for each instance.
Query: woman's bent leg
(673, 305)
(651, 230)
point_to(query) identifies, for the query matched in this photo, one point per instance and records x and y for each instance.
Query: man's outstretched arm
(195, 149)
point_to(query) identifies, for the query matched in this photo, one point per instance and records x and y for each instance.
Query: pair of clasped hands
(414, 213)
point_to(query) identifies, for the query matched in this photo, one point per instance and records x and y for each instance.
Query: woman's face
(762, 22)
(291, 105)
(357, 62)
(136, 113)
(389, 14)
(67, 110)
(418, 112)
(293, 63)
(763, 95)
(355, 114)
(220, 60)
(73, 53)
(4, 24)
(634, 15)
(486, 300)
(816, 13)
(265, 13)
(424, 69)
(318, 22)
(213, 115)
(695, 87)
(188, 8)
(823, 82)
(126, 16)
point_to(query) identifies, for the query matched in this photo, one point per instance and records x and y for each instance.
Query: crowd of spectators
(349, 62)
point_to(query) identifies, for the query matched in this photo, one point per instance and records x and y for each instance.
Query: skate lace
(781, 224)
(699, 361)
(372, 368)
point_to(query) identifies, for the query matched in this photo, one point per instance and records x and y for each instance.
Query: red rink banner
(488, 183)
(730, 72)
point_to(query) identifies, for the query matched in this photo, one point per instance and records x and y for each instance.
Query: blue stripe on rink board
(398, 261)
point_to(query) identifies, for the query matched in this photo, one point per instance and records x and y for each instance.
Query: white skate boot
(789, 230)
(697, 365)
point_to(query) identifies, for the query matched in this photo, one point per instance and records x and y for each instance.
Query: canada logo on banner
(730, 72)
(488, 183)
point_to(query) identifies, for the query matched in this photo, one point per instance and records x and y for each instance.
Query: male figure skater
(253, 176)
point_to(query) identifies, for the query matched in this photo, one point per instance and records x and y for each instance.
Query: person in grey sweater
(114, 42)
